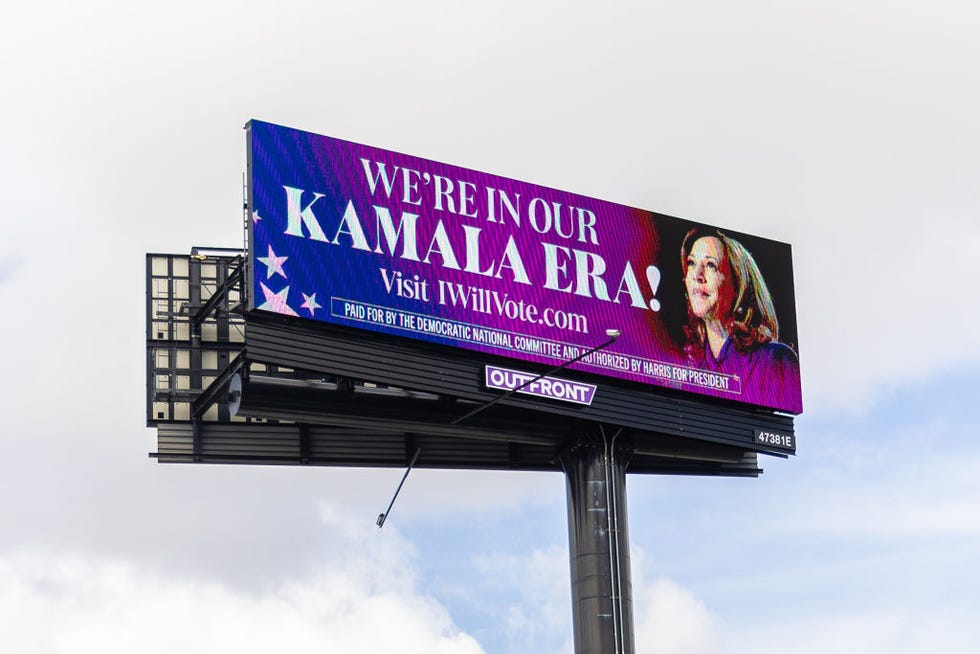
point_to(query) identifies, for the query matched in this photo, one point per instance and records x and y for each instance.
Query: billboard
(359, 236)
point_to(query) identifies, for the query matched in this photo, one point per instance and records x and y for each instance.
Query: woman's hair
(753, 319)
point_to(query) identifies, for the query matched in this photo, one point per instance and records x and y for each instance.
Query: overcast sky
(849, 129)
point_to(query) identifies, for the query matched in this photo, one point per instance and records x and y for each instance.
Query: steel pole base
(602, 594)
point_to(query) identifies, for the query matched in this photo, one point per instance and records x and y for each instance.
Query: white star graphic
(273, 264)
(276, 301)
(309, 302)
(256, 217)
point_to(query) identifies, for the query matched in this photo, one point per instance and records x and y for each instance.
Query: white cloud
(536, 611)
(8, 267)
(866, 542)
(364, 598)
(370, 602)
(872, 489)
(529, 596)
(882, 301)
(869, 631)
(671, 620)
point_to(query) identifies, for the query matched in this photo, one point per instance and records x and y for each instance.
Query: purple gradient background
(281, 156)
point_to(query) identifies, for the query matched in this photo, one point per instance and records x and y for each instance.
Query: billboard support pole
(598, 543)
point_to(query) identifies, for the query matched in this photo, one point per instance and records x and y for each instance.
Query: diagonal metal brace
(234, 279)
(212, 393)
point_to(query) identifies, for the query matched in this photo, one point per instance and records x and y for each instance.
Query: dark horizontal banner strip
(277, 444)
(445, 371)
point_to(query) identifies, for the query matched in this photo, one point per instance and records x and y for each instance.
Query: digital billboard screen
(359, 236)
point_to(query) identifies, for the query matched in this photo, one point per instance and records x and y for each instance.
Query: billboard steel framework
(229, 386)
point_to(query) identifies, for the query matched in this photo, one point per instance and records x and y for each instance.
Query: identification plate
(775, 439)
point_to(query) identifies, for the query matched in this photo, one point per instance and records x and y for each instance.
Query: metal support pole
(598, 542)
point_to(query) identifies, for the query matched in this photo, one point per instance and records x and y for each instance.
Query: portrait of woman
(732, 326)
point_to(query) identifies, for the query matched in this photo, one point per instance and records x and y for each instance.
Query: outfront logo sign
(552, 388)
(359, 236)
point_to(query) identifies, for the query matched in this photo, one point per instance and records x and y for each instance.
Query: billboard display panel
(354, 235)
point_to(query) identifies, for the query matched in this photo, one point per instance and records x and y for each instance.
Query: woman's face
(708, 280)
